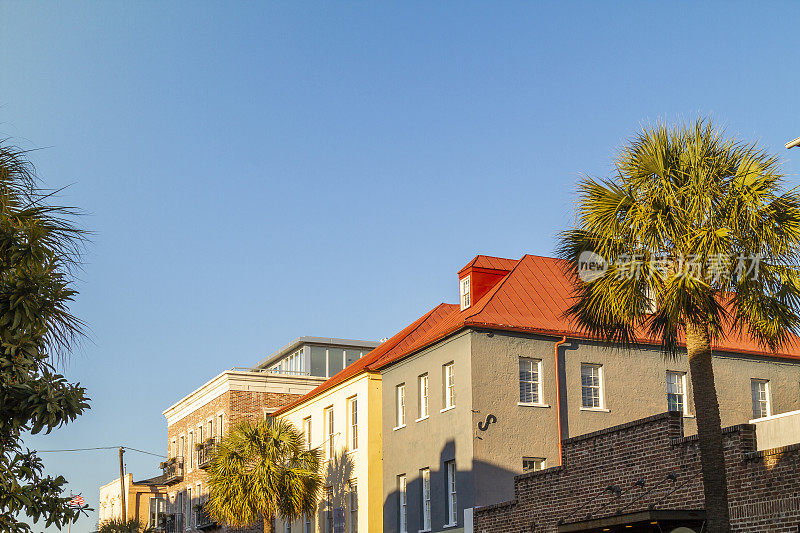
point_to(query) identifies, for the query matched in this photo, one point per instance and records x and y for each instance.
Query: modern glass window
(423, 396)
(351, 356)
(335, 361)
(591, 386)
(353, 504)
(529, 380)
(676, 391)
(465, 293)
(452, 504)
(352, 414)
(329, 432)
(157, 512)
(759, 389)
(402, 508)
(425, 477)
(533, 464)
(401, 405)
(448, 374)
(307, 431)
(329, 510)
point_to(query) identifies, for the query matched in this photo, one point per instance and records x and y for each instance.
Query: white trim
(596, 409)
(773, 417)
(449, 525)
(236, 380)
(465, 296)
(523, 404)
(447, 409)
(422, 419)
(398, 427)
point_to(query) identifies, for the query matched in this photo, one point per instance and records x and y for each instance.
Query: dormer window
(465, 294)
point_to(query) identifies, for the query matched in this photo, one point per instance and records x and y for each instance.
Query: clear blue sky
(254, 172)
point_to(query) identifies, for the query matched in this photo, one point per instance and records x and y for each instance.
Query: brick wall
(651, 463)
(234, 406)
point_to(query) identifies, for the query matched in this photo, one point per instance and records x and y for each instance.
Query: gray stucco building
(475, 393)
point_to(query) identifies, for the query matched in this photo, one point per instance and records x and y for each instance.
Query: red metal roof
(493, 263)
(533, 297)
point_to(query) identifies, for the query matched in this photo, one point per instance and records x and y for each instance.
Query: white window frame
(329, 432)
(328, 510)
(400, 406)
(465, 292)
(449, 388)
(684, 397)
(423, 407)
(160, 509)
(539, 463)
(452, 499)
(352, 497)
(307, 526)
(188, 523)
(536, 386)
(600, 388)
(352, 419)
(767, 397)
(307, 431)
(425, 494)
(191, 450)
(402, 507)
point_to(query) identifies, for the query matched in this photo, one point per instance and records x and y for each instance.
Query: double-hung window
(329, 444)
(533, 464)
(676, 391)
(591, 386)
(425, 477)
(307, 524)
(401, 405)
(352, 414)
(759, 390)
(402, 508)
(157, 513)
(423, 396)
(530, 380)
(307, 431)
(466, 299)
(448, 378)
(452, 504)
(328, 510)
(353, 503)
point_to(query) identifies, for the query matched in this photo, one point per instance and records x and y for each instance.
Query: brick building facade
(645, 475)
(200, 419)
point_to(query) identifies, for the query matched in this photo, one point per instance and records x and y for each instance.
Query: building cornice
(238, 380)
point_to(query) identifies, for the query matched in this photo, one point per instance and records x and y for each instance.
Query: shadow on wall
(336, 476)
(484, 476)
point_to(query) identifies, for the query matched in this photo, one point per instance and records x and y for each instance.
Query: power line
(101, 448)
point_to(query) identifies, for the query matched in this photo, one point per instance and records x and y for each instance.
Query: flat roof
(300, 341)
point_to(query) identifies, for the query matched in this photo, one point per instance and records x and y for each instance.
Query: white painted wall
(777, 430)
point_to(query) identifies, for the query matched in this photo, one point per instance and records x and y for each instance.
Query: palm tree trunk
(268, 524)
(709, 427)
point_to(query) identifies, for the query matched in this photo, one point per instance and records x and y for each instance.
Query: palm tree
(699, 237)
(261, 470)
(117, 525)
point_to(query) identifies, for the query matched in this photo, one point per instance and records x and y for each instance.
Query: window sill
(422, 418)
(424, 531)
(528, 404)
(351, 452)
(447, 409)
(449, 525)
(398, 427)
(596, 409)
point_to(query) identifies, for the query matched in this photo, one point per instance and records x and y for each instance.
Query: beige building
(145, 500)
(491, 386)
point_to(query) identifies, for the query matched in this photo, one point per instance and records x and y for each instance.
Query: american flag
(77, 501)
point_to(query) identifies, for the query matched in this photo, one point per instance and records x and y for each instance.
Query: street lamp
(793, 144)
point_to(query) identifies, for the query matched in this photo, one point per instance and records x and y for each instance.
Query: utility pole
(124, 511)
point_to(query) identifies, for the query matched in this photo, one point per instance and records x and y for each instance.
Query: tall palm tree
(261, 470)
(698, 236)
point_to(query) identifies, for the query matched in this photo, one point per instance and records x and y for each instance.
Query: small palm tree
(698, 236)
(261, 470)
